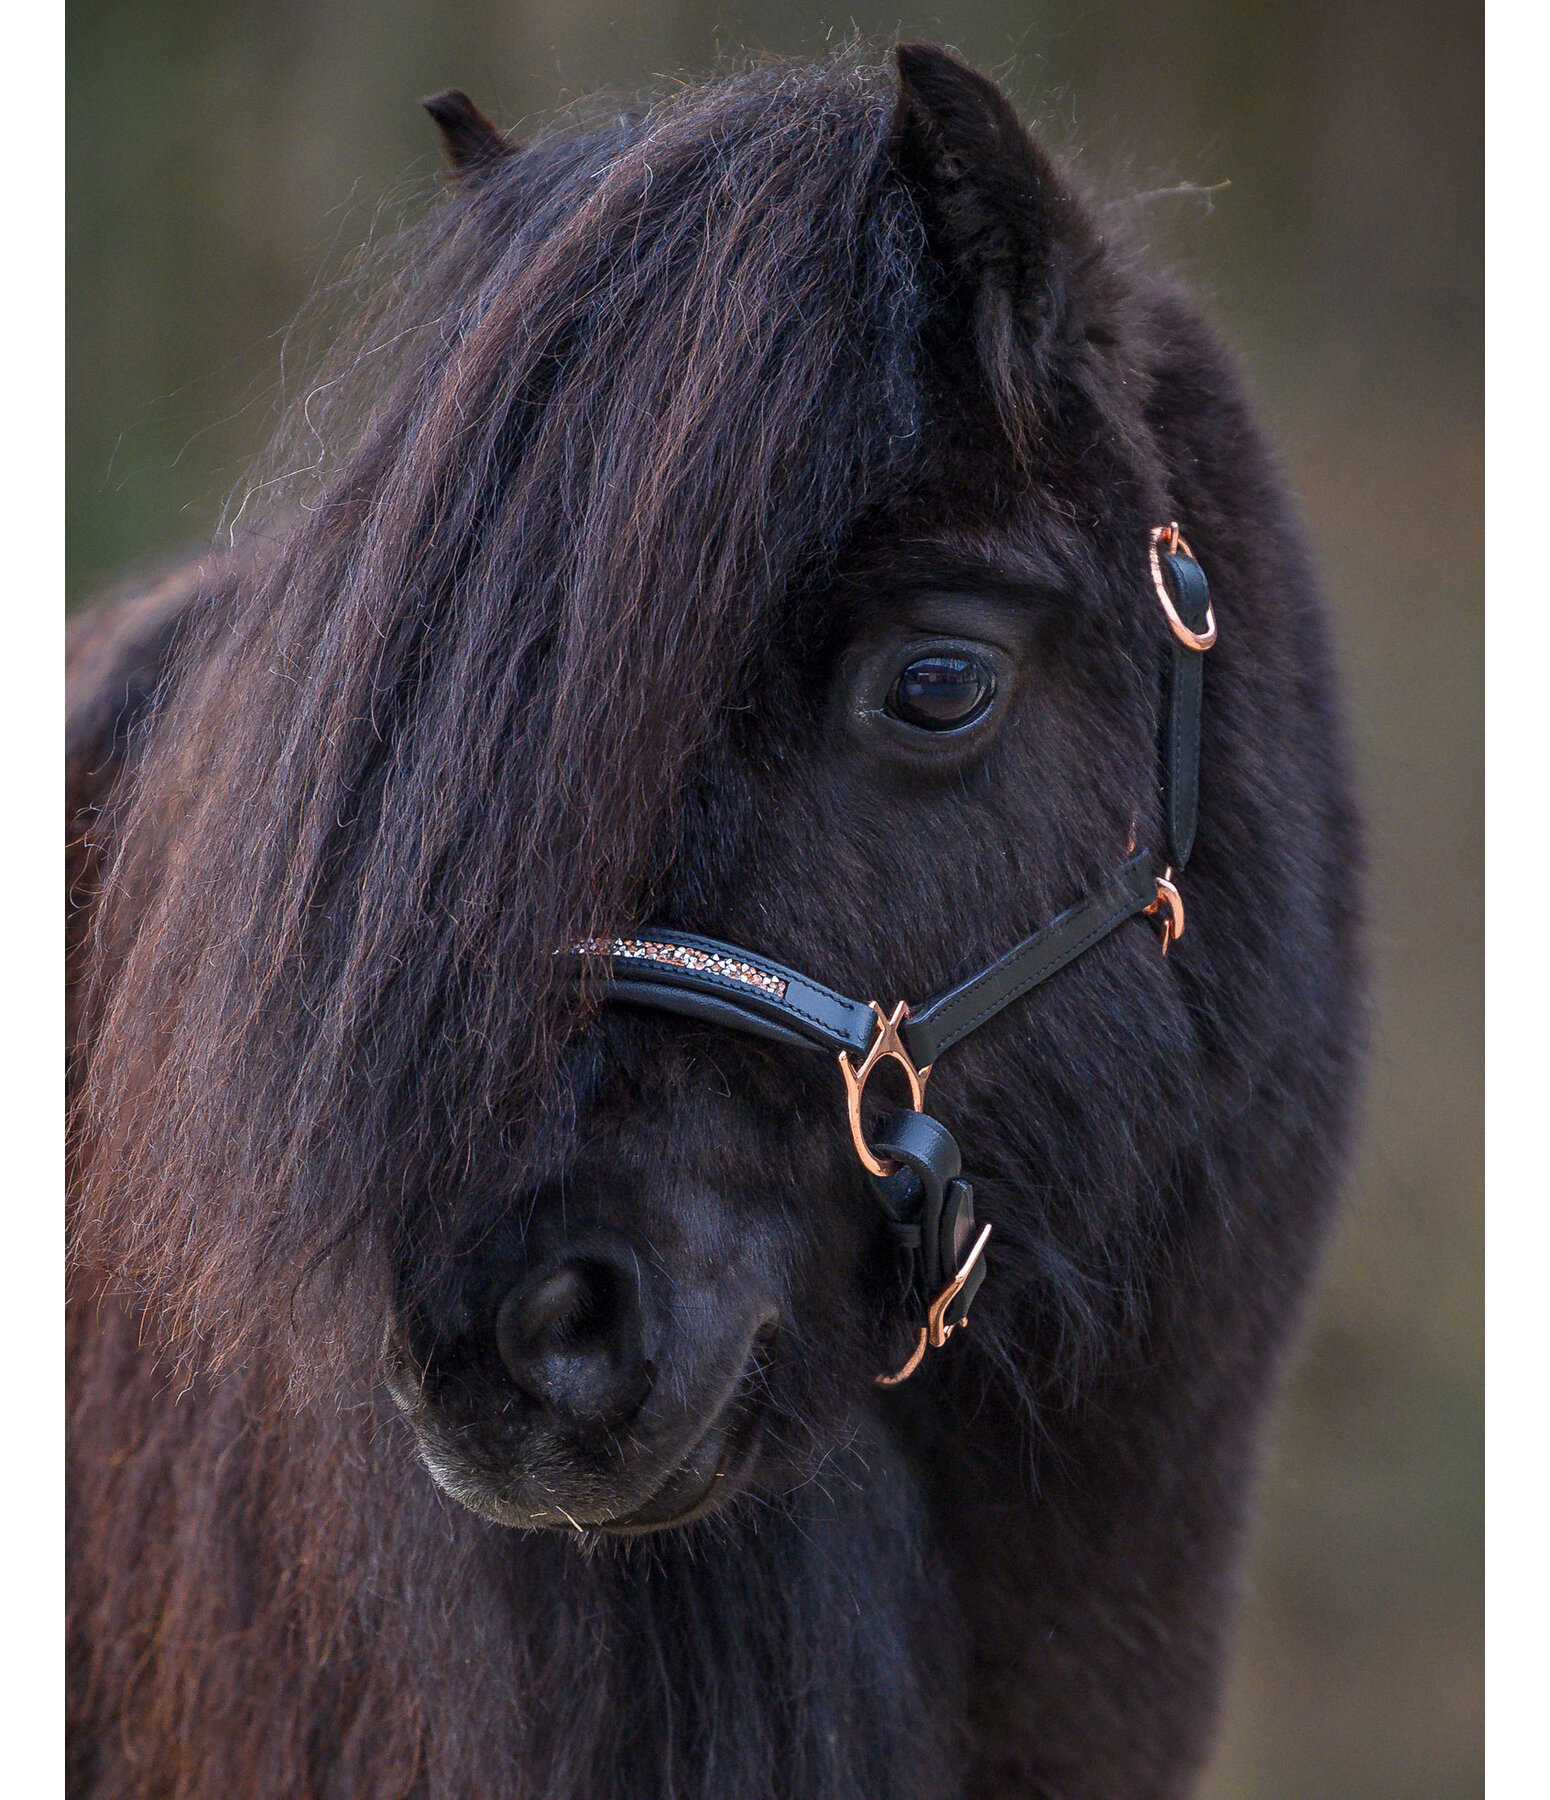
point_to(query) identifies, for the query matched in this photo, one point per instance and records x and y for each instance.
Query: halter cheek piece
(912, 1160)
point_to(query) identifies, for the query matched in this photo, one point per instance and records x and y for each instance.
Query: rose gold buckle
(885, 1043)
(936, 1331)
(1191, 640)
(1168, 895)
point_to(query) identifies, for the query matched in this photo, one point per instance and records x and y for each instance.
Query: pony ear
(1000, 219)
(472, 142)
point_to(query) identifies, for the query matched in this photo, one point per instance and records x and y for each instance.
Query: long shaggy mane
(562, 489)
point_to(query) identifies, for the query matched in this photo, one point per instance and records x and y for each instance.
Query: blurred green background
(221, 154)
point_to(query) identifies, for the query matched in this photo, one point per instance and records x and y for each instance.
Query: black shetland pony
(731, 520)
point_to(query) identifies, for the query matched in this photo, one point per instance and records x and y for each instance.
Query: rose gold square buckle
(936, 1331)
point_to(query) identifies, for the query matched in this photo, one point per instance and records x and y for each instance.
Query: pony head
(733, 519)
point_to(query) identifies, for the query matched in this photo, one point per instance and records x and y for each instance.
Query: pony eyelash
(702, 962)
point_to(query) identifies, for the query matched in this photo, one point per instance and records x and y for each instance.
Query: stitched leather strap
(1181, 711)
(942, 1021)
(721, 984)
(709, 1009)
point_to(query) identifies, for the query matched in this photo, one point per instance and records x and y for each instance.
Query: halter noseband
(913, 1160)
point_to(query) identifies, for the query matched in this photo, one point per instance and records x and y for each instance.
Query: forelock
(627, 394)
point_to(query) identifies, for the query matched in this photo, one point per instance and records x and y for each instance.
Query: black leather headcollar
(912, 1159)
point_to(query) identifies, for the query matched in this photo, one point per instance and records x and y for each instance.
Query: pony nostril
(571, 1337)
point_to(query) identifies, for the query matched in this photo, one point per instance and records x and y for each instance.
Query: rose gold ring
(1191, 640)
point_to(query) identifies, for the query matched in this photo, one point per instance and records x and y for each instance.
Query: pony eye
(937, 693)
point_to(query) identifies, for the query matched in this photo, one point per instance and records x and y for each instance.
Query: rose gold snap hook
(1191, 640)
(1168, 895)
(885, 1043)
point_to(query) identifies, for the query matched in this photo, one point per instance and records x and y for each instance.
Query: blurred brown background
(221, 154)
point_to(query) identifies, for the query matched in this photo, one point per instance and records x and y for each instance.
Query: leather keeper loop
(928, 1149)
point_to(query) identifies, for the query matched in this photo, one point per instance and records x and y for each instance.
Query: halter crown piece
(913, 1161)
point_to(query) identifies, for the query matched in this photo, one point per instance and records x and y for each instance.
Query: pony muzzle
(556, 1409)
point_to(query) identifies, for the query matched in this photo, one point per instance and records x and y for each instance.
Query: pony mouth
(684, 1497)
(705, 1473)
(733, 1437)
